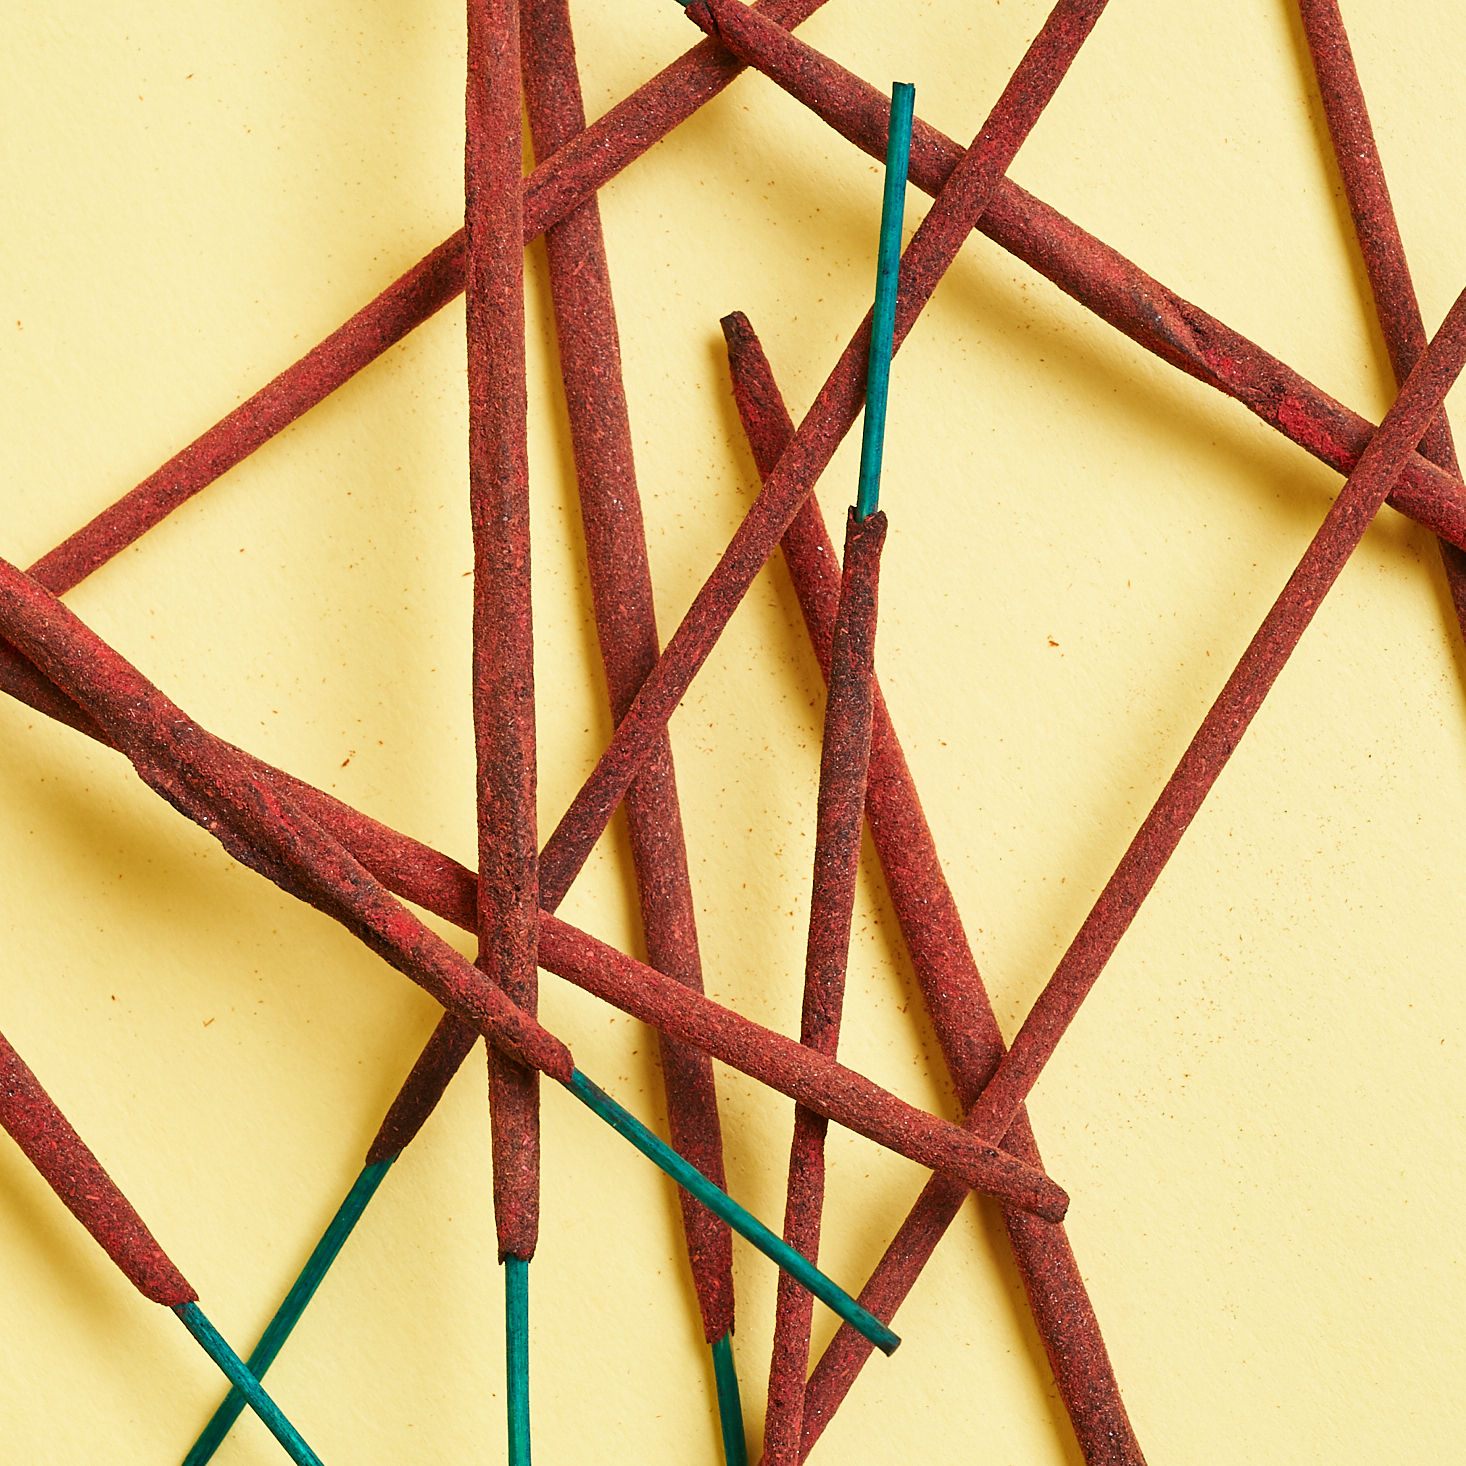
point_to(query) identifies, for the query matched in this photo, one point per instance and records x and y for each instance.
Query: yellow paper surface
(1258, 1113)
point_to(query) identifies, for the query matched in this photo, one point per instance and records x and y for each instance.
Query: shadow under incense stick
(237, 1372)
(743, 1222)
(288, 1314)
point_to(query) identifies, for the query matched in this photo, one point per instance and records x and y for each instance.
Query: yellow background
(1259, 1112)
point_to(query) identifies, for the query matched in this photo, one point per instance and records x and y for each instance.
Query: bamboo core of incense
(883, 319)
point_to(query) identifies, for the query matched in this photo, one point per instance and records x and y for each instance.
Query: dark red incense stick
(955, 997)
(821, 1084)
(840, 820)
(503, 629)
(621, 592)
(1378, 234)
(1222, 729)
(258, 822)
(932, 250)
(40, 1129)
(555, 188)
(253, 817)
(1097, 276)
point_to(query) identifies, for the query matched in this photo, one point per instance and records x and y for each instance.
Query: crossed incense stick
(1201, 346)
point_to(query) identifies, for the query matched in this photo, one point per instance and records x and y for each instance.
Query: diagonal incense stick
(626, 629)
(742, 1222)
(956, 999)
(1378, 233)
(840, 818)
(1223, 727)
(552, 191)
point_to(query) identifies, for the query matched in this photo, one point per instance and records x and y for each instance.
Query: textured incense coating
(503, 627)
(830, 1089)
(437, 882)
(1099, 277)
(956, 1000)
(1223, 727)
(839, 822)
(61, 1156)
(253, 816)
(927, 258)
(279, 1329)
(1378, 233)
(626, 626)
(614, 140)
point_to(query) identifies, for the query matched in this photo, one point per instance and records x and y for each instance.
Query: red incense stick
(819, 1083)
(956, 999)
(555, 188)
(626, 627)
(1378, 234)
(930, 253)
(503, 629)
(1224, 725)
(840, 819)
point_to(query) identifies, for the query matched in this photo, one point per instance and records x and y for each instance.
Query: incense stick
(956, 999)
(278, 1330)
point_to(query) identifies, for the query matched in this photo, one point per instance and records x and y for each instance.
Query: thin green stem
(516, 1356)
(883, 317)
(730, 1407)
(743, 1222)
(286, 1316)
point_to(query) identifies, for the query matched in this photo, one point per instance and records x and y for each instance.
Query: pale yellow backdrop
(1259, 1112)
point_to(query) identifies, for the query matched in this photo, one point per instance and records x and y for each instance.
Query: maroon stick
(1378, 233)
(1098, 277)
(503, 629)
(840, 818)
(255, 818)
(813, 1080)
(45, 1135)
(961, 1011)
(550, 193)
(1222, 729)
(934, 247)
(626, 626)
